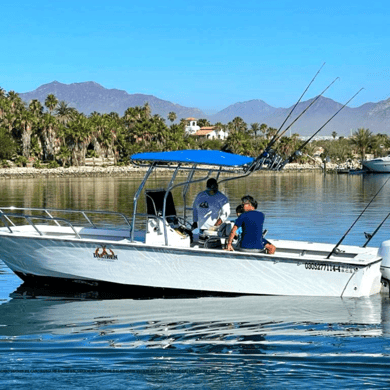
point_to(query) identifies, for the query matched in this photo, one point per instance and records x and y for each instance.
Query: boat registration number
(328, 267)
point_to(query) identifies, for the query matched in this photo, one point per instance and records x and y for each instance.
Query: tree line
(57, 134)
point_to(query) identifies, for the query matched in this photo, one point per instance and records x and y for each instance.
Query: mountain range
(88, 97)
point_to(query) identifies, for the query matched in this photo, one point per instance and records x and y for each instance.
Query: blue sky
(204, 54)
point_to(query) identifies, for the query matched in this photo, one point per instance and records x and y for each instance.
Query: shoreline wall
(87, 171)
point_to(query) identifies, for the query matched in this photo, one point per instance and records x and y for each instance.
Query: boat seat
(155, 205)
(178, 235)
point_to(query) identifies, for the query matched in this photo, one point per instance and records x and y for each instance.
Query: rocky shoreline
(97, 171)
(85, 171)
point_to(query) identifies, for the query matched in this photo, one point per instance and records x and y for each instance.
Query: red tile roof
(202, 131)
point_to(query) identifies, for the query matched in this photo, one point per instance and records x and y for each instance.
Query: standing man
(251, 221)
(210, 208)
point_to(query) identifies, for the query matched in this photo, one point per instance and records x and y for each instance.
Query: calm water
(77, 342)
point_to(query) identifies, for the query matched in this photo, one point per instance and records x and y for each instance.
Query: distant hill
(89, 96)
(374, 116)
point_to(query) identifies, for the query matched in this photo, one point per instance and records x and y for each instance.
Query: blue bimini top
(204, 157)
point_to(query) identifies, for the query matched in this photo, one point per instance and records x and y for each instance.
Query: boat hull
(185, 269)
(377, 165)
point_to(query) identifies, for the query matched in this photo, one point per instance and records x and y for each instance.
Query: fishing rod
(346, 233)
(273, 140)
(298, 151)
(313, 101)
(370, 236)
(258, 162)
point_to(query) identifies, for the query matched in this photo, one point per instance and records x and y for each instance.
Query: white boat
(152, 253)
(379, 165)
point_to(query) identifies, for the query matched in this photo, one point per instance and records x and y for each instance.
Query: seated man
(251, 221)
(210, 208)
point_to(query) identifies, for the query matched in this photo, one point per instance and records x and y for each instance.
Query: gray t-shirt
(208, 208)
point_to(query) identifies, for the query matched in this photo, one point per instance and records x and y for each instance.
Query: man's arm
(195, 212)
(223, 214)
(219, 222)
(229, 246)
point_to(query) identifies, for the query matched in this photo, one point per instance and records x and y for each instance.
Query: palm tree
(63, 112)
(108, 132)
(16, 103)
(12, 95)
(238, 125)
(220, 126)
(175, 138)
(238, 142)
(271, 132)
(339, 150)
(51, 103)
(255, 127)
(172, 116)
(48, 134)
(7, 144)
(387, 144)
(64, 155)
(78, 134)
(203, 122)
(9, 119)
(157, 118)
(147, 110)
(362, 139)
(114, 115)
(286, 146)
(334, 134)
(263, 129)
(133, 115)
(4, 103)
(27, 120)
(103, 126)
(379, 143)
(36, 107)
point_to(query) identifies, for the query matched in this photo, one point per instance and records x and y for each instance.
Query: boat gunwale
(283, 254)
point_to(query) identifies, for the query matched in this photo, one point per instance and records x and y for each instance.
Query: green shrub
(21, 161)
(53, 164)
(5, 164)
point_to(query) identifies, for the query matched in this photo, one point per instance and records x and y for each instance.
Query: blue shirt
(251, 223)
(239, 233)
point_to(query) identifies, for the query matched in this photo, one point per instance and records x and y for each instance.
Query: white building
(208, 132)
(211, 132)
(191, 126)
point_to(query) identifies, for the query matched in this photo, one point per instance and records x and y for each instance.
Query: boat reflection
(248, 319)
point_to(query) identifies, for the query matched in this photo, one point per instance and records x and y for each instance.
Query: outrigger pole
(346, 233)
(298, 151)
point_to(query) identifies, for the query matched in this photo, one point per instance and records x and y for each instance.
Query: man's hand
(219, 222)
(230, 247)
